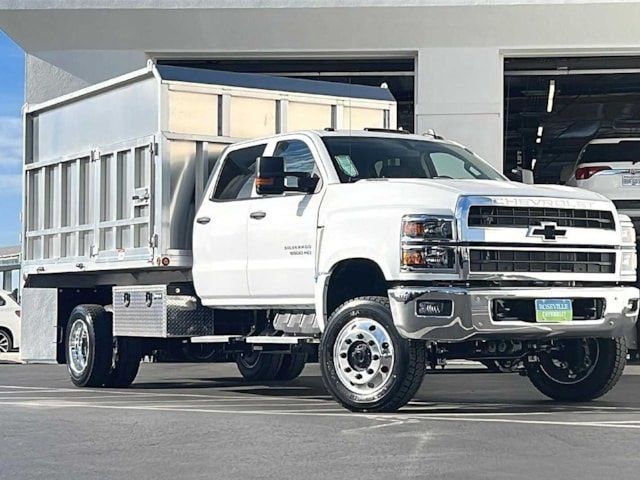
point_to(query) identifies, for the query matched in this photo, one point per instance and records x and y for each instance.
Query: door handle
(203, 220)
(258, 215)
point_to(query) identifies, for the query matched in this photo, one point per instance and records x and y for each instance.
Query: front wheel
(579, 370)
(366, 365)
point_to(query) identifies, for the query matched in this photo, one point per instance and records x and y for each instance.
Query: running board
(215, 338)
(254, 340)
(264, 340)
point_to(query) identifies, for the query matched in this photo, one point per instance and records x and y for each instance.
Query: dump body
(113, 173)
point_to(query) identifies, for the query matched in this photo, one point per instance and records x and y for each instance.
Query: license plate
(630, 180)
(554, 310)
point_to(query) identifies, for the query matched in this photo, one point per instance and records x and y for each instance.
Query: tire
(126, 362)
(257, 366)
(6, 342)
(389, 375)
(292, 366)
(89, 346)
(593, 382)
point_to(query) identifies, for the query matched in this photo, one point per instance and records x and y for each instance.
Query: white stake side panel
(113, 173)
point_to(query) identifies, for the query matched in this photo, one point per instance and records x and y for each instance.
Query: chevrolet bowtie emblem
(548, 231)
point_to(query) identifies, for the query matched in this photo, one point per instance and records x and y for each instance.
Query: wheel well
(353, 278)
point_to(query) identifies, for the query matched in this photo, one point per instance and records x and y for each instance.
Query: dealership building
(516, 81)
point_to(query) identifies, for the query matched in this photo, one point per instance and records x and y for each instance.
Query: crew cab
(376, 251)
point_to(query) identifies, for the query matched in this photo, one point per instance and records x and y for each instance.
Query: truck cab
(333, 223)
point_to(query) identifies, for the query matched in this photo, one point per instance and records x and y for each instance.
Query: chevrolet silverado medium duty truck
(379, 252)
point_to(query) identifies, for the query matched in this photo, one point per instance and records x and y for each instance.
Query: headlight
(628, 234)
(436, 258)
(424, 239)
(629, 262)
(421, 227)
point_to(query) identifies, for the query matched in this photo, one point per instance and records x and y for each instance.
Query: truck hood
(494, 188)
(441, 195)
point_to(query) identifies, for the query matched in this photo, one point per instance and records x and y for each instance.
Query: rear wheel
(292, 366)
(6, 343)
(258, 366)
(366, 365)
(125, 362)
(89, 346)
(579, 370)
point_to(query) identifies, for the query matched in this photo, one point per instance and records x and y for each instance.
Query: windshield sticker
(346, 165)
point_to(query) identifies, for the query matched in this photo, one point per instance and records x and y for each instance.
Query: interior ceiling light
(552, 93)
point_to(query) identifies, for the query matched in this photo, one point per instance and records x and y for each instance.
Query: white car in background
(9, 323)
(611, 167)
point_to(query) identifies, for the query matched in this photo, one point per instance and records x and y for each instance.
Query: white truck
(379, 251)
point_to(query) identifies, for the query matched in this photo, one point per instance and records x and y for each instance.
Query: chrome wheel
(364, 356)
(574, 362)
(4, 342)
(78, 347)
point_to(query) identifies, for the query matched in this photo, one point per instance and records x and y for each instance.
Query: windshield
(357, 158)
(623, 151)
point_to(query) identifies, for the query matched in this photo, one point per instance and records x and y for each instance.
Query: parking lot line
(329, 411)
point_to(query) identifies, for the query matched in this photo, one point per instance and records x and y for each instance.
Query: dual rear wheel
(94, 357)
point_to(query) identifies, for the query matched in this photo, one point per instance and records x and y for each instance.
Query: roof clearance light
(552, 92)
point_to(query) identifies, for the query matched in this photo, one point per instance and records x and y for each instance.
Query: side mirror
(521, 175)
(270, 176)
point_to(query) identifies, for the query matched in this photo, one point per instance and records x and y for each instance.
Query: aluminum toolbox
(149, 311)
(113, 173)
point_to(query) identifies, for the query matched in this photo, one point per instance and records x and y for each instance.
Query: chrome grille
(545, 261)
(493, 216)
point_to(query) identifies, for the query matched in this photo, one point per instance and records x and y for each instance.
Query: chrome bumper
(471, 317)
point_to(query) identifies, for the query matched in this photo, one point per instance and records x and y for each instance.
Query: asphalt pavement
(183, 421)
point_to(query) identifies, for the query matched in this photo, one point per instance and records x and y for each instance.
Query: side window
(297, 156)
(447, 165)
(238, 174)
(2, 301)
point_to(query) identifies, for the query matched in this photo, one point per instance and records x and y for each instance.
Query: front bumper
(472, 319)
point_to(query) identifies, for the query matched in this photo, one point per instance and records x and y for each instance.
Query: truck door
(283, 234)
(220, 230)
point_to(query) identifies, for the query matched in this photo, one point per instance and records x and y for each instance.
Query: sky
(11, 100)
